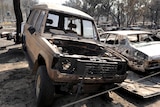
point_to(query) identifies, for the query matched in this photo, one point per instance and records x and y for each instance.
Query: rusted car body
(64, 47)
(139, 49)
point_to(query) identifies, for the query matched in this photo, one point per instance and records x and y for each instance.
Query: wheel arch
(40, 61)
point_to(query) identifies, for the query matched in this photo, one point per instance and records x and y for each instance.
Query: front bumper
(145, 66)
(88, 71)
(153, 65)
(58, 77)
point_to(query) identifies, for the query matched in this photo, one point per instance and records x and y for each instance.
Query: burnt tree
(19, 19)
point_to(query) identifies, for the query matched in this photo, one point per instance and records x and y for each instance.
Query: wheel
(44, 88)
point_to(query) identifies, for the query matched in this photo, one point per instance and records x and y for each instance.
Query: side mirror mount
(31, 29)
(49, 21)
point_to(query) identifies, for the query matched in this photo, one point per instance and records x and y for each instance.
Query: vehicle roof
(64, 9)
(127, 32)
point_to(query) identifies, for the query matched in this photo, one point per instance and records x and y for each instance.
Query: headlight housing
(65, 65)
(140, 56)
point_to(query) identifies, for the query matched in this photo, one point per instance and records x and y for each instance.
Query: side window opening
(52, 20)
(39, 21)
(112, 39)
(33, 17)
(122, 41)
(133, 38)
(28, 18)
(52, 24)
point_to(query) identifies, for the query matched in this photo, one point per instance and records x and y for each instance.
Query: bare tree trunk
(144, 19)
(19, 19)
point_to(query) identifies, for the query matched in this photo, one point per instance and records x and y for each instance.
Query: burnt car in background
(156, 35)
(138, 47)
(66, 54)
(7, 32)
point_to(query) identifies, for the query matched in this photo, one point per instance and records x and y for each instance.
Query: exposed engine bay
(79, 48)
(81, 56)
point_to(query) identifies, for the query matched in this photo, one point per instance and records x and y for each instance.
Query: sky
(53, 1)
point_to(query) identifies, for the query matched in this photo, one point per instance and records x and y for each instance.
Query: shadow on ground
(16, 84)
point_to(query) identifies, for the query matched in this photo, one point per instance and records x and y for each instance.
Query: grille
(96, 69)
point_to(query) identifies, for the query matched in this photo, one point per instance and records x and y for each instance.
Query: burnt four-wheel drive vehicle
(63, 44)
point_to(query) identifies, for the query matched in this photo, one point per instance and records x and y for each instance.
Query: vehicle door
(33, 31)
(124, 46)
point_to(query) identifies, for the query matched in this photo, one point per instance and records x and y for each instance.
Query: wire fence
(112, 89)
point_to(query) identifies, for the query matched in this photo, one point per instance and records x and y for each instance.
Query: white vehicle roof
(63, 9)
(127, 32)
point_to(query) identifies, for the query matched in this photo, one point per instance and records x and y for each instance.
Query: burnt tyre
(44, 88)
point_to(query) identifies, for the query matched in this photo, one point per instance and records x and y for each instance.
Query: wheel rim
(38, 86)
